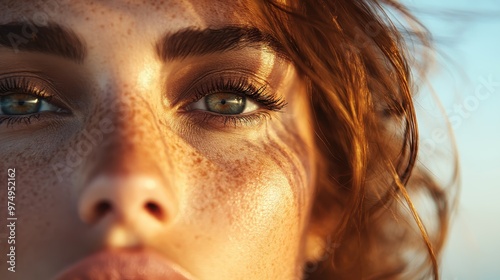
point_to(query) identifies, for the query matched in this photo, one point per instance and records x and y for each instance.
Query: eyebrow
(57, 40)
(196, 42)
(50, 39)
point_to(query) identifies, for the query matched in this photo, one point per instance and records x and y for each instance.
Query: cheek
(45, 216)
(249, 190)
(245, 201)
(33, 154)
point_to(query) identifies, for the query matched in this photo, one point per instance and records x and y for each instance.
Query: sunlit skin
(227, 199)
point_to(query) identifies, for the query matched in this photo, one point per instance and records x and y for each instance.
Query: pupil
(223, 101)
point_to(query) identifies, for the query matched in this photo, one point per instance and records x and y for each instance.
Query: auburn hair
(355, 60)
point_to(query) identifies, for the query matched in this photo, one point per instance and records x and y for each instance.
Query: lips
(114, 265)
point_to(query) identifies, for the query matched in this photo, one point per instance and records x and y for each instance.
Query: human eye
(25, 98)
(234, 101)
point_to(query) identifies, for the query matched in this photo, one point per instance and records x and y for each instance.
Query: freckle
(203, 173)
(129, 31)
(87, 18)
(101, 26)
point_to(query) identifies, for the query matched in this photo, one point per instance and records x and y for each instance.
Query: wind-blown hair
(355, 60)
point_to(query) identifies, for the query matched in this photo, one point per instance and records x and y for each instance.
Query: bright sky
(468, 84)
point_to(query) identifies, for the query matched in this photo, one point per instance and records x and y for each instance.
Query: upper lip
(124, 264)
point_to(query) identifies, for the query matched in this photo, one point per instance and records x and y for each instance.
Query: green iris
(20, 104)
(225, 103)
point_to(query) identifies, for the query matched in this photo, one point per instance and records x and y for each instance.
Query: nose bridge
(135, 141)
(129, 97)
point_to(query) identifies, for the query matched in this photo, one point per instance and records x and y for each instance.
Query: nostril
(154, 210)
(101, 209)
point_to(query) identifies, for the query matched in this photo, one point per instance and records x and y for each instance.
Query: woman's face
(154, 143)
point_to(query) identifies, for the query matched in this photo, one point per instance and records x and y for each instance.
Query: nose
(126, 183)
(134, 201)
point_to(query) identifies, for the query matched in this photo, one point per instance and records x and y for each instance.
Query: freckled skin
(236, 199)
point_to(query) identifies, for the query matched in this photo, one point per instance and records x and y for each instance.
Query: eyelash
(242, 86)
(22, 85)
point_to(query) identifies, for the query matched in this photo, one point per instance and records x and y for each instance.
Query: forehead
(168, 12)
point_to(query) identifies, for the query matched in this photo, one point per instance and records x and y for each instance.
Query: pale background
(467, 35)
